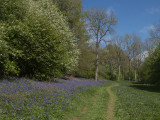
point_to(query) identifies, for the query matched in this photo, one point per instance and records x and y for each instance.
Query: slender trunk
(97, 61)
(123, 73)
(135, 75)
(119, 69)
(129, 70)
(139, 77)
(119, 72)
(96, 71)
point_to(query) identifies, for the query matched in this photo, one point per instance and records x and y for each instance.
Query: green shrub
(40, 44)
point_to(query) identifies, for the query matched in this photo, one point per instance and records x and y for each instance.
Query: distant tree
(155, 33)
(150, 68)
(86, 62)
(100, 23)
(138, 56)
(110, 58)
(118, 43)
(130, 47)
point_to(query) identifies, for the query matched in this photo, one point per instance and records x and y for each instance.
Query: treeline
(44, 39)
(120, 59)
(150, 69)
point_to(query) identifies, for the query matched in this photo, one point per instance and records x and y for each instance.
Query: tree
(10, 13)
(86, 62)
(42, 37)
(100, 22)
(109, 58)
(73, 11)
(118, 43)
(138, 56)
(130, 47)
(150, 68)
(8, 6)
(155, 33)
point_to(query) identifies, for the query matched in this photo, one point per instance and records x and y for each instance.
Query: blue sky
(134, 16)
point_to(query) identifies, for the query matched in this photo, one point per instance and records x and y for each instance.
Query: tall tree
(152, 62)
(130, 47)
(155, 33)
(110, 60)
(118, 43)
(72, 10)
(100, 23)
(138, 55)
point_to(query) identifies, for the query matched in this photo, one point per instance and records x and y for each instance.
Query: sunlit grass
(136, 104)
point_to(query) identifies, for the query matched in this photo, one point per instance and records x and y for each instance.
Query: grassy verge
(136, 104)
(94, 100)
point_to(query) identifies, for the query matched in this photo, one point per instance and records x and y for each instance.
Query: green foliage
(108, 67)
(72, 10)
(111, 73)
(86, 63)
(40, 44)
(150, 69)
(8, 54)
(11, 10)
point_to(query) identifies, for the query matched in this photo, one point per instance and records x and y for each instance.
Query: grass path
(90, 105)
(111, 103)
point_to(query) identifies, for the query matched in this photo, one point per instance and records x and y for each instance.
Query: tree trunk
(139, 77)
(129, 70)
(123, 73)
(135, 75)
(97, 60)
(119, 72)
(96, 71)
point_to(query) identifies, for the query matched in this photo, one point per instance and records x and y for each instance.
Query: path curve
(111, 103)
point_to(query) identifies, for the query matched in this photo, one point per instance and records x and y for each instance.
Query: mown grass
(137, 102)
(95, 100)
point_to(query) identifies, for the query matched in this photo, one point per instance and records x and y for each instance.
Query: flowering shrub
(41, 44)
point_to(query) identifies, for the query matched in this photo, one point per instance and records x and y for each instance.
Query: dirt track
(111, 103)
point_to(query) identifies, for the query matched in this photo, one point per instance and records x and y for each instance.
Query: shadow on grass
(147, 87)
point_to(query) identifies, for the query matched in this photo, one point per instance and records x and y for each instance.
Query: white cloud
(153, 10)
(143, 55)
(110, 10)
(146, 29)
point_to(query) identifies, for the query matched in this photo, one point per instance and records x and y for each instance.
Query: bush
(44, 45)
